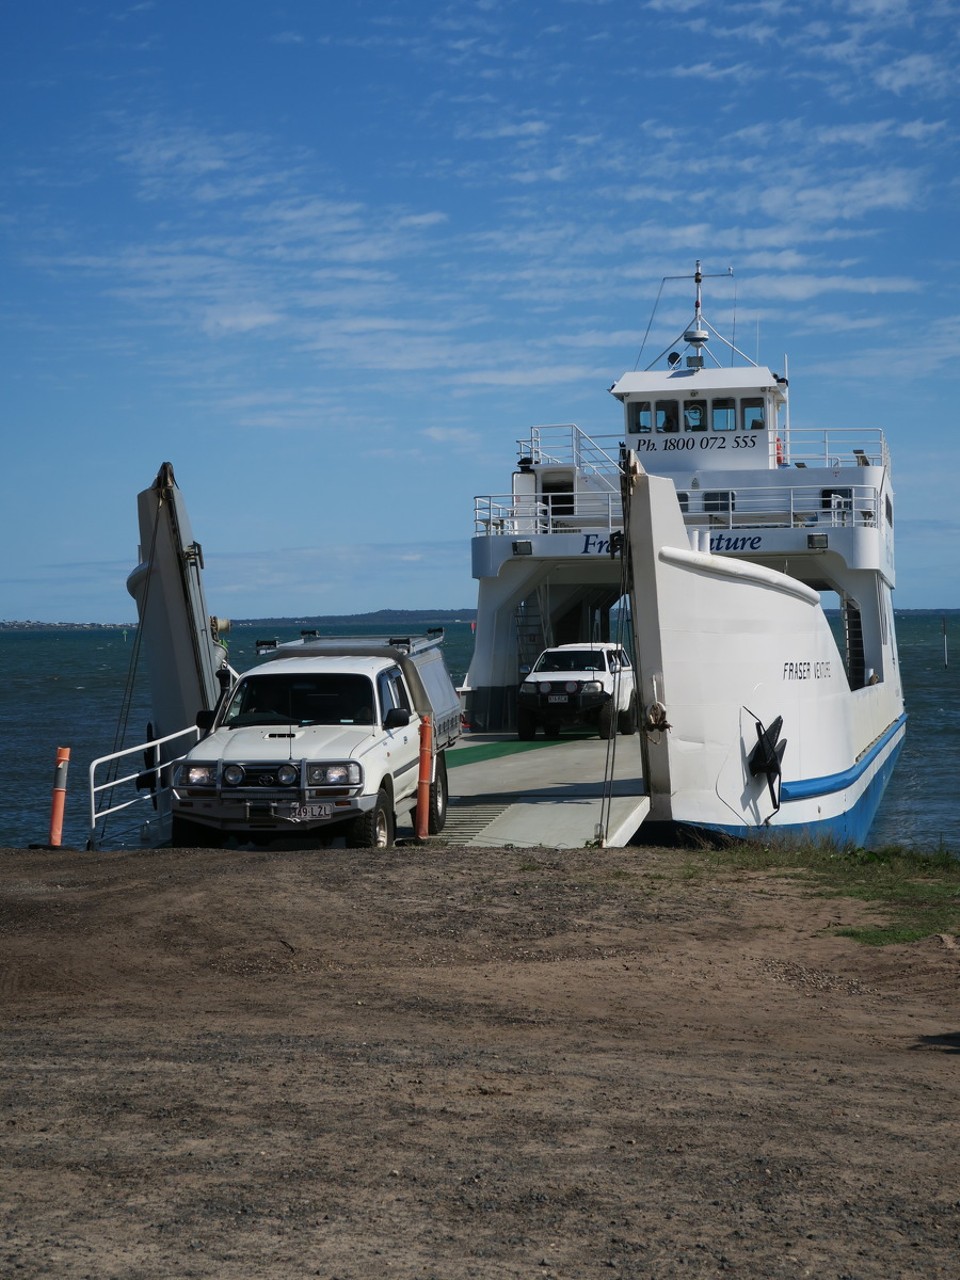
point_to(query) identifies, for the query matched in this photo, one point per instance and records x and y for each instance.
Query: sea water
(65, 688)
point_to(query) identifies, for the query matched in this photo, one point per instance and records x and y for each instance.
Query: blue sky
(333, 260)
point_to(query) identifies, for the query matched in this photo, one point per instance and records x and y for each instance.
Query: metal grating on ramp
(467, 821)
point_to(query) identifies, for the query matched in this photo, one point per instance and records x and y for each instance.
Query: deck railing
(836, 447)
(757, 507)
(101, 794)
(497, 514)
(567, 445)
(777, 506)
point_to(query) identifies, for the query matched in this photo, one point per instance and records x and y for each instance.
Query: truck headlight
(345, 774)
(592, 686)
(191, 774)
(233, 775)
(533, 686)
(288, 775)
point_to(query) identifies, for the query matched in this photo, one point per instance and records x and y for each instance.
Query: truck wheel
(185, 834)
(374, 829)
(526, 724)
(439, 793)
(627, 720)
(607, 720)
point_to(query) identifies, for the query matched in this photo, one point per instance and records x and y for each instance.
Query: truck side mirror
(396, 718)
(205, 720)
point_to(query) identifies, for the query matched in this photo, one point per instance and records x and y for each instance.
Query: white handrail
(765, 506)
(562, 512)
(567, 444)
(95, 789)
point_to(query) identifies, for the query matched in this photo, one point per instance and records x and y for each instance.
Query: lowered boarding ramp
(547, 793)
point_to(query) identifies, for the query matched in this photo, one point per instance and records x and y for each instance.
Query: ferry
(748, 566)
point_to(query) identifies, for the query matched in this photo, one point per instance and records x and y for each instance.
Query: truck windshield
(571, 660)
(301, 700)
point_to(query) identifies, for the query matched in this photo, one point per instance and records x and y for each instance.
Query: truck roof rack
(312, 643)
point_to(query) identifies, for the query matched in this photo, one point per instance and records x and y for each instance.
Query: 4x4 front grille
(261, 777)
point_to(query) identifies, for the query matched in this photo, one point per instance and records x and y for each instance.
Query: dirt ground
(455, 1063)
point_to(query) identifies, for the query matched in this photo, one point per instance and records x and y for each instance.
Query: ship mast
(696, 334)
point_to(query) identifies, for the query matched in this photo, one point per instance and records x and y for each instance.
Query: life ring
(779, 452)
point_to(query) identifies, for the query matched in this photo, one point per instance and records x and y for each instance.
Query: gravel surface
(449, 1063)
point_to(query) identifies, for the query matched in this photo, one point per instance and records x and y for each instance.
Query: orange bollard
(423, 781)
(59, 796)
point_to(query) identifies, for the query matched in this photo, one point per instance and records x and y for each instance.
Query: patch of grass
(881, 937)
(915, 895)
(918, 893)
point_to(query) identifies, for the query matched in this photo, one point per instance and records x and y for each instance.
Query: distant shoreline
(418, 616)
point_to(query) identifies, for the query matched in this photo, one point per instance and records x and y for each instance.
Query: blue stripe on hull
(853, 825)
(807, 788)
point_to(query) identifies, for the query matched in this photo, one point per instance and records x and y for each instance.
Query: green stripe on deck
(494, 750)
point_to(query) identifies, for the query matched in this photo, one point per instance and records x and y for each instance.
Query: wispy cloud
(237, 319)
(917, 70)
(711, 71)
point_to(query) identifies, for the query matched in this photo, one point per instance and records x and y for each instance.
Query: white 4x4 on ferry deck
(579, 684)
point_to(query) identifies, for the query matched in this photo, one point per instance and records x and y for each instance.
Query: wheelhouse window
(668, 418)
(684, 500)
(752, 410)
(694, 415)
(639, 417)
(724, 414)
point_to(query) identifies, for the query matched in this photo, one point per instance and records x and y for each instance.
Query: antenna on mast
(697, 333)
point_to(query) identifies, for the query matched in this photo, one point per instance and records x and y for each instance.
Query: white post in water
(943, 623)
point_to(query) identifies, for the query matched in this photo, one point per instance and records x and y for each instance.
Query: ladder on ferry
(853, 635)
(531, 631)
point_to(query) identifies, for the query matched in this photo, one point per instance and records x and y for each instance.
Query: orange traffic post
(59, 796)
(423, 782)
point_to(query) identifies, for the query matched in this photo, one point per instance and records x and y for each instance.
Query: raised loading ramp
(547, 793)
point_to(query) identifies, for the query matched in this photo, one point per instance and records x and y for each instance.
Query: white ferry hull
(725, 645)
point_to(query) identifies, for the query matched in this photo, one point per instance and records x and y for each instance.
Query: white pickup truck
(323, 736)
(576, 685)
